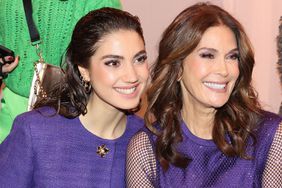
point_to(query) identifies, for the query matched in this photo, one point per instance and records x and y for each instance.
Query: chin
(219, 104)
(128, 107)
(218, 101)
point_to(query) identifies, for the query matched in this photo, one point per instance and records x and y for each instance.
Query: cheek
(143, 71)
(234, 69)
(196, 70)
(102, 76)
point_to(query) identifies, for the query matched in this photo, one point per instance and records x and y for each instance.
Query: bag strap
(33, 32)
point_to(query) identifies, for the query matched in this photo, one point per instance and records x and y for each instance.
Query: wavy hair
(70, 98)
(236, 118)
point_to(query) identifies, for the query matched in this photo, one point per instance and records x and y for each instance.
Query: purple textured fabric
(208, 167)
(58, 152)
(211, 168)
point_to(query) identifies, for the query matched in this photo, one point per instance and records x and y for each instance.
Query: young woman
(55, 21)
(79, 137)
(207, 127)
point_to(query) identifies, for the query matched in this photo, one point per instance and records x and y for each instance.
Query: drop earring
(86, 84)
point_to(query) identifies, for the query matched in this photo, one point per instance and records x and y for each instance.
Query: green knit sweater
(54, 19)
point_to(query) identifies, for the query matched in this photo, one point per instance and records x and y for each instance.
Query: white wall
(259, 17)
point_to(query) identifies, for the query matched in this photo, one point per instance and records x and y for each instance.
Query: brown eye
(112, 63)
(141, 59)
(234, 56)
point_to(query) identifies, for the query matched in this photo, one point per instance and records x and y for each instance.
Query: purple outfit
(209, 167)
(59, 152)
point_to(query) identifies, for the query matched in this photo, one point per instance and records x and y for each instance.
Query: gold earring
(86, 84)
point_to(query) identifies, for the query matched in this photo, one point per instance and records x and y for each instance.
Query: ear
(84, 72)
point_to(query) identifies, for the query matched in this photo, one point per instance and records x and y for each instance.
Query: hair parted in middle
(236, 118)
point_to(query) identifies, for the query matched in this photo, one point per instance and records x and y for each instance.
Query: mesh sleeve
(141, 169)
(272, 174)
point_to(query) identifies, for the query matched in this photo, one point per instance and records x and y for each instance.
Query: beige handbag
(46, 76)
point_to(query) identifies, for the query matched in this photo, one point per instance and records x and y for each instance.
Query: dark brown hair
(70, 97)
(236, 118)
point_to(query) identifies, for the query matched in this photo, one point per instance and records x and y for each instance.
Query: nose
(130, 74)
(221, 67)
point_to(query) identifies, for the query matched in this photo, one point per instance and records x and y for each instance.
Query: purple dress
(209, 167)
(59, 152)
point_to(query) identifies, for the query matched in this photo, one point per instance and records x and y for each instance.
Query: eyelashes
(232, 56)
(141, 59)
(117, 62)
(207, 55)
(112, 63)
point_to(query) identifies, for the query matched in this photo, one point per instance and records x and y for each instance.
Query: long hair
(235, 119)
(70, 98)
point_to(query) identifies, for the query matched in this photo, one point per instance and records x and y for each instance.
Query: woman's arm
(141, 168)
(272, 174)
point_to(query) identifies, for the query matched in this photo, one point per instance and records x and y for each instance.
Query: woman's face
(211, 70)
(118, 70)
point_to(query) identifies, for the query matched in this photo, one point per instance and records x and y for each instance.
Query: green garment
(9, 111)
(55, 20)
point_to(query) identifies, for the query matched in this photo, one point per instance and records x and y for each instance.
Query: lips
(214, 85)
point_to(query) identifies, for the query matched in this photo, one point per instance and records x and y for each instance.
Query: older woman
(207, 128)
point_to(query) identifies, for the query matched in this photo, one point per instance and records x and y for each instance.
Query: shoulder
(30, 125)
(140, 146)
(143, 134)
(266, 129)
(135, 122)
(268, 144)
(269, 123)
(143, 140)
(39, 115)
(40, 121)
(135, 118)
(271, 117)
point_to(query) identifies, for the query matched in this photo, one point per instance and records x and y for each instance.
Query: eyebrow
(234, 50)
(209, 49)
(112, 56)
(214, 50)
(121, 57)
(140, 53)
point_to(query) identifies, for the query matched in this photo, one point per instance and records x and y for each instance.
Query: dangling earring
(87, 86)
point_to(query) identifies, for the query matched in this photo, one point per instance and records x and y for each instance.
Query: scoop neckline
(85, 131)
(196, 139)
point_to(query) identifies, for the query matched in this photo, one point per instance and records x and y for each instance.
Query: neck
(103, 119)
(198, 119)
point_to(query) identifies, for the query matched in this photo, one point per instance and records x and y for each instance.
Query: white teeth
(214, 85)
(125, 91)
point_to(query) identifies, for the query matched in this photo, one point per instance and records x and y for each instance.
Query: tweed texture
(53, 151)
